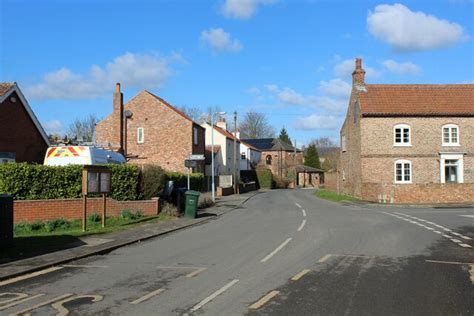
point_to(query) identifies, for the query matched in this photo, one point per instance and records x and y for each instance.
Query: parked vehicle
(81, 155)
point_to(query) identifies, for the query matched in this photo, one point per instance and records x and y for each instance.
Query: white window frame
(402, 143)
(343, 143)
(195, 135)
(450, 132)
(451, 156)
(142, 140)
(402, 162)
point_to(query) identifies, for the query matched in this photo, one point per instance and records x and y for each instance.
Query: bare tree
(323, 142)
(83, 128)
(194, 113)
(255, 125)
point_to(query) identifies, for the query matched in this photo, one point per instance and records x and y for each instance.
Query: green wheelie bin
(192, 198)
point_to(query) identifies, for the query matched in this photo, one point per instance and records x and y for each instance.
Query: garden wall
(69, 209)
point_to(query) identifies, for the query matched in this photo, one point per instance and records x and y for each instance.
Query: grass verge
(30, 242)
(333, 196)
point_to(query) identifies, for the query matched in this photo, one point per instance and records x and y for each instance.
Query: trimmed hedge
(181, 180)
(38, 182)
(265, 179)
(129, 182)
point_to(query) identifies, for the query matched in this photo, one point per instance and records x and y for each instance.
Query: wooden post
(84, 213)
(104, 207)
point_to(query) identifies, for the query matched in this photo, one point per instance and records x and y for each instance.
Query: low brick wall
(431, 193)
(39, 210)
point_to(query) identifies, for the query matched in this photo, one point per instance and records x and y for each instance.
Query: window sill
(451, 145)
(402, 145)
(402, 182)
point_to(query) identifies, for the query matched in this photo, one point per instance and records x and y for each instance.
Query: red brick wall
(330, 181)
(430, 193)
(39, 210)
(19, 134)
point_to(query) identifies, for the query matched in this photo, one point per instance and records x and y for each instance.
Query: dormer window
(450, 134)
(402, 135)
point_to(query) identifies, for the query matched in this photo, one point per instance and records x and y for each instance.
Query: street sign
(190, 163)
(196, 157)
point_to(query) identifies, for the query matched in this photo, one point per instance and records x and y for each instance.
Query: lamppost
(213, 186)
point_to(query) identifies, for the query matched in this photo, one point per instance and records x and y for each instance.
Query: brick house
(151, 131)
(277, 155)
(408, 143)
(22, 137)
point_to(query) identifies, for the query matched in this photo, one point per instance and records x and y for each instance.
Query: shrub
(128, 214)
(152, 181)
(265, 179)
(95, 218)
(181, 180)
(169, 209)
(281, 183)
(125, 184)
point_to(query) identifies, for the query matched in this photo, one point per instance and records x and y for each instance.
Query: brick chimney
(222, 124)
(358, 75)
(118, 116)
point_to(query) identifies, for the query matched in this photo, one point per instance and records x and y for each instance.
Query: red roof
(417, 100)
(225, 133)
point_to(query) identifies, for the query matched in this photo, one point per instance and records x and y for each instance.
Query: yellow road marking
(24, 311)
(300, 275)
(20, 301)
(82, 266)
(17, 297)
(450, 262)
(323, 259)
(264, 300)
(195, 272)
(63, 311)
(28, 276)
(146, 297)
(471, 271)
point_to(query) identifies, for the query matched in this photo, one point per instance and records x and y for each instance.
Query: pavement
(104, 243)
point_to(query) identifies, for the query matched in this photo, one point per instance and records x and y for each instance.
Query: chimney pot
(117, 87)
(358, 63)
(358, 75)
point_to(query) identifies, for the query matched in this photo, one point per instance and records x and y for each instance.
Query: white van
(81, 155)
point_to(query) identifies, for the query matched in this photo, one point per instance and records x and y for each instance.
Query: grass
(40, 238)
(333, 196)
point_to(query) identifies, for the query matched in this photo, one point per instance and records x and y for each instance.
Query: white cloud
(53, 127)
(407, 30)
(141, 71)
(324, 102)
(346, 67)
(315, 121)
(407, 68)
(290, 96)
(271, 87)
(336, 88)
(242, 9)
(220, 41)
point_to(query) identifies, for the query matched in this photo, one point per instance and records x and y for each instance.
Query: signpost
(191, 162)
(95, 179)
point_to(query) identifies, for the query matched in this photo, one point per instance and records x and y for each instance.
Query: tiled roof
(172, 107)
(417, 100)
(270, 144)
(5, 87)
(225, 133)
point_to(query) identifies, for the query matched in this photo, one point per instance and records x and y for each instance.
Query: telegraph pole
(235, 153)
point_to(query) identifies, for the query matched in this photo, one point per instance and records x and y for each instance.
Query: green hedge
(129, 182)
(37, 182)
(265, 179)
(181, 180)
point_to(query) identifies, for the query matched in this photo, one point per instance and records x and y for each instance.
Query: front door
(451, 171)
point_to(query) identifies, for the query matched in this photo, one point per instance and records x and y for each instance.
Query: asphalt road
(283, 252)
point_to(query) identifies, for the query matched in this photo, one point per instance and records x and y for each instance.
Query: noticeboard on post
(96, 179)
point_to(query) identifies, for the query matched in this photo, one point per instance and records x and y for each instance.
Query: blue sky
(288, 59)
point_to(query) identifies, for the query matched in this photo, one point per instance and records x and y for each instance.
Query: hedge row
(129, 182)
(265, 179)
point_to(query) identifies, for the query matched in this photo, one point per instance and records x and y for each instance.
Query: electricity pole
(235, 154)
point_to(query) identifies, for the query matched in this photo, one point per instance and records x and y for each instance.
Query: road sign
(190, 163)
(196, 157)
